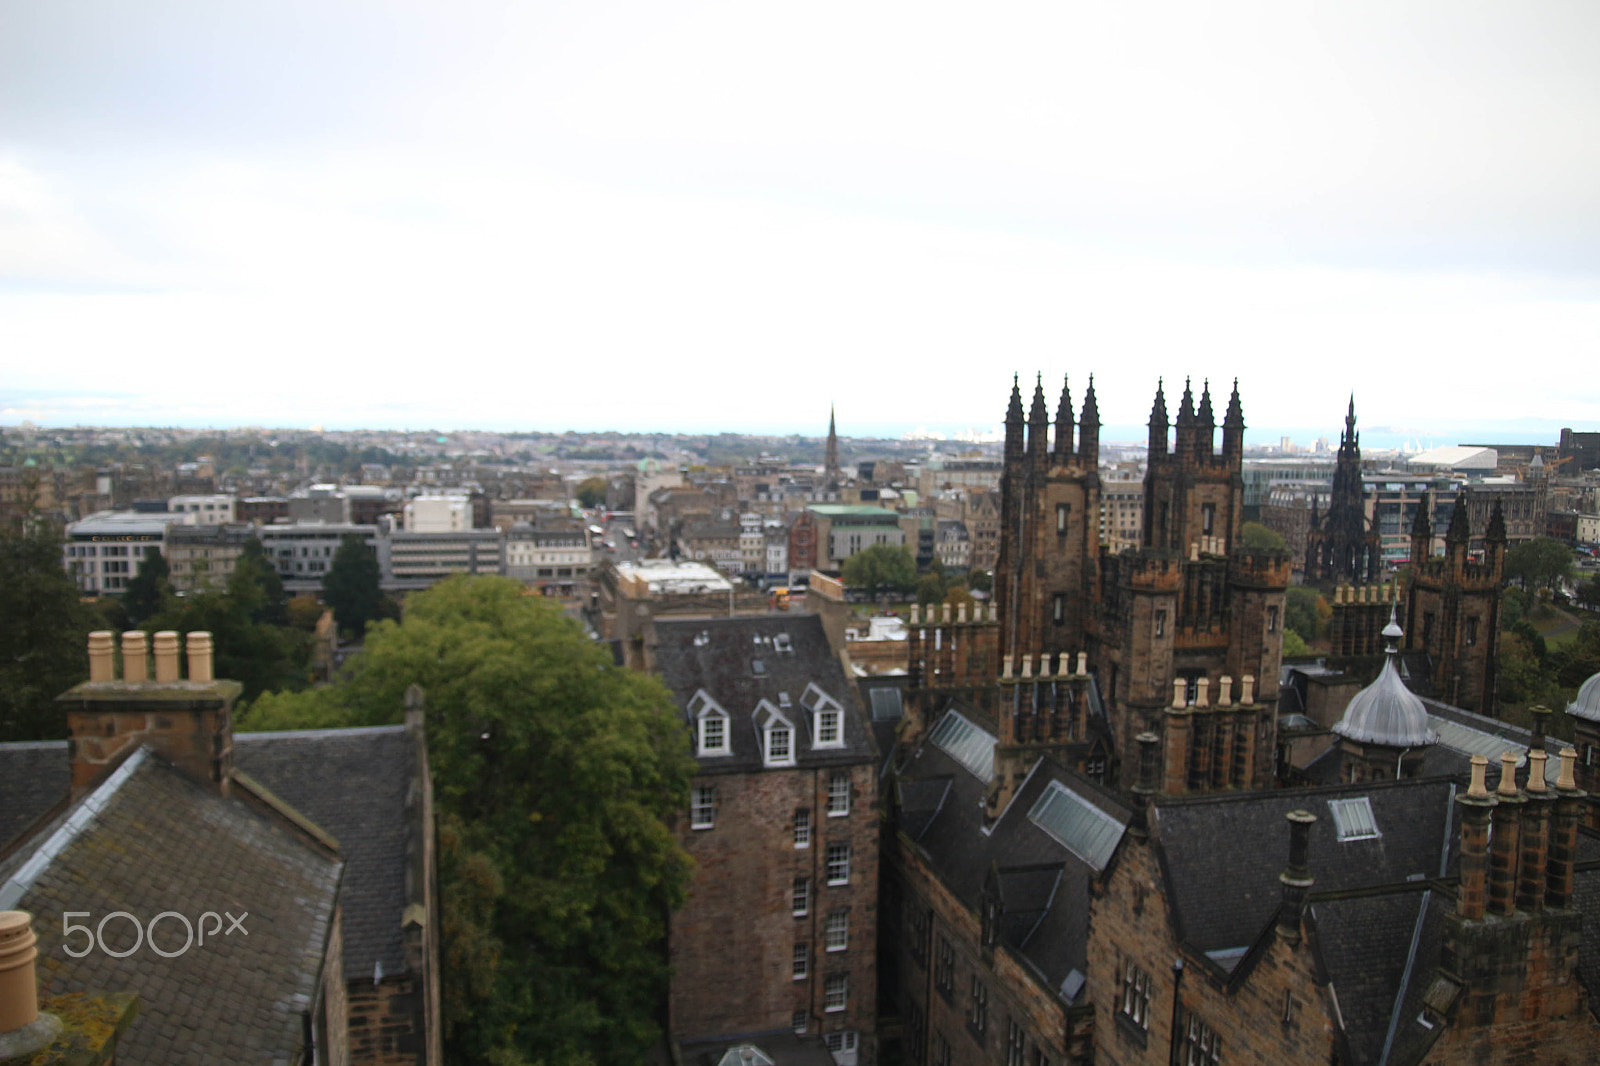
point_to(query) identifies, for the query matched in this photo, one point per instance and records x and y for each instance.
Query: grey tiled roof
(161, 842)
(1365, 942)
(34, 777)
(352, 783)
(1222, 855)
(720, 656)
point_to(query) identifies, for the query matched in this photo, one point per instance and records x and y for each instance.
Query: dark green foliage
(592, 491)
(259, 655)
(350, 586)
(1294, 644)
(980, 580)
(554, 773)
(1541, 563)
(882, 568)
(44, 631)
(149, 590)
(255, 582)
(1304, 610)
(1253, 536)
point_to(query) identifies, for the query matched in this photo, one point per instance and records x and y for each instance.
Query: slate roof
(150, 840)
(1222, 854)
(1043, 886)
(720, 656)
(1365, 943)
(34, 777)
(354, 784)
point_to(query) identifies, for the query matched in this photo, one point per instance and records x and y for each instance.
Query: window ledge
(1133, 1030)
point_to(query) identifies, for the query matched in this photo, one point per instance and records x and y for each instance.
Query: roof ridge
(311, 734)
(17, 885)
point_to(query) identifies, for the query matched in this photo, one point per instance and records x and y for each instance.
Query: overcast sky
(692, 216)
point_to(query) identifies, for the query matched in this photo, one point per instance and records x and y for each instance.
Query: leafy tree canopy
(259, 655)
(1294, 644)
(1253, 536)
(1541, 563)
(1305, 611)
(256, 584)
(883, 567)
(44, 630)
(554, 773)
(351, 585)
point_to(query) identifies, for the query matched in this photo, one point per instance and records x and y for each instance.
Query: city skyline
(720, 218)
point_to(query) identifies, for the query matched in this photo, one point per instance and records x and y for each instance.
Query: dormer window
(827, 717)
(711, 725)
(777, 735)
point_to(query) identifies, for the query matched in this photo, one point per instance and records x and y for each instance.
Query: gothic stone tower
(1184, 634)
(1343, 546)
(1453, 609)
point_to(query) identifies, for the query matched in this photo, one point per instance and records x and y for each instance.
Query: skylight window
(1076, 824)
(1353, 818)
(966, 744)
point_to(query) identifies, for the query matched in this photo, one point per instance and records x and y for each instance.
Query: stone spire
(1460, 530)
(1158, 422)
(1233, 425)
(1014, 424)
(1089, 429)
(1064, 420)
(1186, 430)
(1205, 422)
(1039, 421)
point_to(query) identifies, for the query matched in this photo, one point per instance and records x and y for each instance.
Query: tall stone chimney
(1296, 878)
(189, 721)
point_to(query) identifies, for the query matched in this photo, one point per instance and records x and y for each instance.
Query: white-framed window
(714, 735)
(798, 1022)
(839, 794)
(801, 897)
(836, 935)
(842, 1046)
(802, 961)
(1201, 1045)
(838, 864)
(1136, 996)
(830, 729)
(802, 828)
(780, 746)
(836, 993)
(827, 717)
(703, 807)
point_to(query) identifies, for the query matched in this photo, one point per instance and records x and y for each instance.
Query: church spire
(1038, 421)
(1014, 423)
(1205, 422)
(1233, 427)
(831, 456)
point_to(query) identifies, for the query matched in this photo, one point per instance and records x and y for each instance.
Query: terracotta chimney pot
(135, 656)
(199, 643)
(19, 987)
(166, 657)
(102, 662)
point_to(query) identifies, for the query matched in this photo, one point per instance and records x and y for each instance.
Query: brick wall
(385, 1022)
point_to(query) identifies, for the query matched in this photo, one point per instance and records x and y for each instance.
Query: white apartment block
(438, 514)
(102, 552)
(215, 510)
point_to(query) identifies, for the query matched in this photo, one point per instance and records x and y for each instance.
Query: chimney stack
(1145, 787)
(1504, 841)
(1296, 878)
(1475, 808)
(1535, 837)
(1563, 843)
(23, 1029)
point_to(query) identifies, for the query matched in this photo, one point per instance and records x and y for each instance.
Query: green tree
(351, 587)
(1294, 644)
(930, 588)
(1303, 611)
(43, 629)
(259, 655)
(1253, 536)
(149, 590)
(980, 580)
(1541, 563)
(592, 491)
(1589, 593)
(554, 773)
(883, 567)
(255, 583)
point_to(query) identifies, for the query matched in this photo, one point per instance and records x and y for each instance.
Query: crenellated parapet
(1259, 568)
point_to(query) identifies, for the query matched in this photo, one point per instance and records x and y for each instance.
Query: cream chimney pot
(1508, 774)
(1480, 767)
(1202, 695)
(1566, 782)
(1536, 761)
(1083, 663)
(1178, 701)
(166, 656)
(102, 661)
(134, 664)
(1247, 689)
(1224, 691)
(200, 656)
